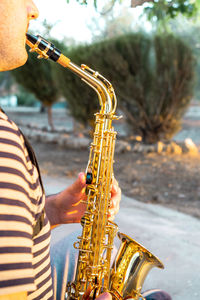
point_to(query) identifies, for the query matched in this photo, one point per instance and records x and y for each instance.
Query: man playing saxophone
(24, 252)
(24, 243)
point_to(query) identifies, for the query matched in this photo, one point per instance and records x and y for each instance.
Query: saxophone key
(83, 238)
(89, 178)
(85, 220)
(84, 202)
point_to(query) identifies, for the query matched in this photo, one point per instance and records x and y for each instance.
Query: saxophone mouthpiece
(31, 38)
(44, 48)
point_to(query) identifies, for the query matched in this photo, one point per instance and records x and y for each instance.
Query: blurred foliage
(1, 76)
(116, 23)
(112, 24)
(25, 98)
(37, 77)
(161, 9)
(189, 31)
(153, 79)
(107, 8)
(158, 9)
(6, 82)
(80, 98)
(173, 88)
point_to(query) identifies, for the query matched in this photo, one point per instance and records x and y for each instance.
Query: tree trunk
(50, 117)
(42, 108)
(149, 136)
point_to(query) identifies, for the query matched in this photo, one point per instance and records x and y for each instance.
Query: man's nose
(32, 10)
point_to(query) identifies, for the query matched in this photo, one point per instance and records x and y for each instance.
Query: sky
(70, 20)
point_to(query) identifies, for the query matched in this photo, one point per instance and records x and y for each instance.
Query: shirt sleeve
(16, 214)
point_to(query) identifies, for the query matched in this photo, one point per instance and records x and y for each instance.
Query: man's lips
(27, 27)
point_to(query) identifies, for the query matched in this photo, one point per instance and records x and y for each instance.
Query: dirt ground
(172, 181)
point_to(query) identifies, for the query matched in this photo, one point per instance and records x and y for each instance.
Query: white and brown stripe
(24, 260)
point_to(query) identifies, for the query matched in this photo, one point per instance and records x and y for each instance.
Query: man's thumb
(79, 183)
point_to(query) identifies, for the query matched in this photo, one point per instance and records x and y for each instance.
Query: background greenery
(152, 77)
(36, 76)
(158, 9)
(152, 73)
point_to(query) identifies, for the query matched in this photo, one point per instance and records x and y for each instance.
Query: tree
(158, 9)
(159, 85)
(107, 8)
(189, 31)
(6, 83)
(115, 24)
(81, 99)
(37, 77)
(153, 80)
(164, 9)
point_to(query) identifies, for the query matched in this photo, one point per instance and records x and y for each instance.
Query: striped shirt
(24, 259)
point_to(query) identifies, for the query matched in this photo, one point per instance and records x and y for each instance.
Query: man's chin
(23, 61)
(17, 63)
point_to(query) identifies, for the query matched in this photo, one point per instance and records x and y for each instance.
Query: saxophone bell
(133, 263)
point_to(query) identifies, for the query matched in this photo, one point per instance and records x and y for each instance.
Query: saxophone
(133, 262)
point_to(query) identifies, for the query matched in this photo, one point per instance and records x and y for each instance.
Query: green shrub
(162, 90)
(152, 77)
(81, 99)
(36, 76)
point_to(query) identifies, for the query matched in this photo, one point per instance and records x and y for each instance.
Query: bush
(36, 76)
(81, 99)
(161, 93)
(152, 77)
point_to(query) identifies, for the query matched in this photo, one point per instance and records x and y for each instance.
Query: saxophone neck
(101, 85)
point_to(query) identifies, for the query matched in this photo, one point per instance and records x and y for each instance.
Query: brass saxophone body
(133, 262)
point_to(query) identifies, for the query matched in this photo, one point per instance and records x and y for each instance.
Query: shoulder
(12, 145)
(15, 178)
(10, 133)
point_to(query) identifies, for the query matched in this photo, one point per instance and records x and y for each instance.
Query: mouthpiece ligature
(44, 48)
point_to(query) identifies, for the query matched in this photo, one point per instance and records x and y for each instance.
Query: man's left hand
(68, 207)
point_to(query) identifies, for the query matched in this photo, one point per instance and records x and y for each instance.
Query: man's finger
(115, 186)
(79, 184)
(105, 296)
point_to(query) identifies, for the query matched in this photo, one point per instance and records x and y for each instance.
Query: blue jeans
(63, 265)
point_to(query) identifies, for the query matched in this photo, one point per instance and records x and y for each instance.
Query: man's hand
(104, 296)
(67, 207)
(115, 200)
